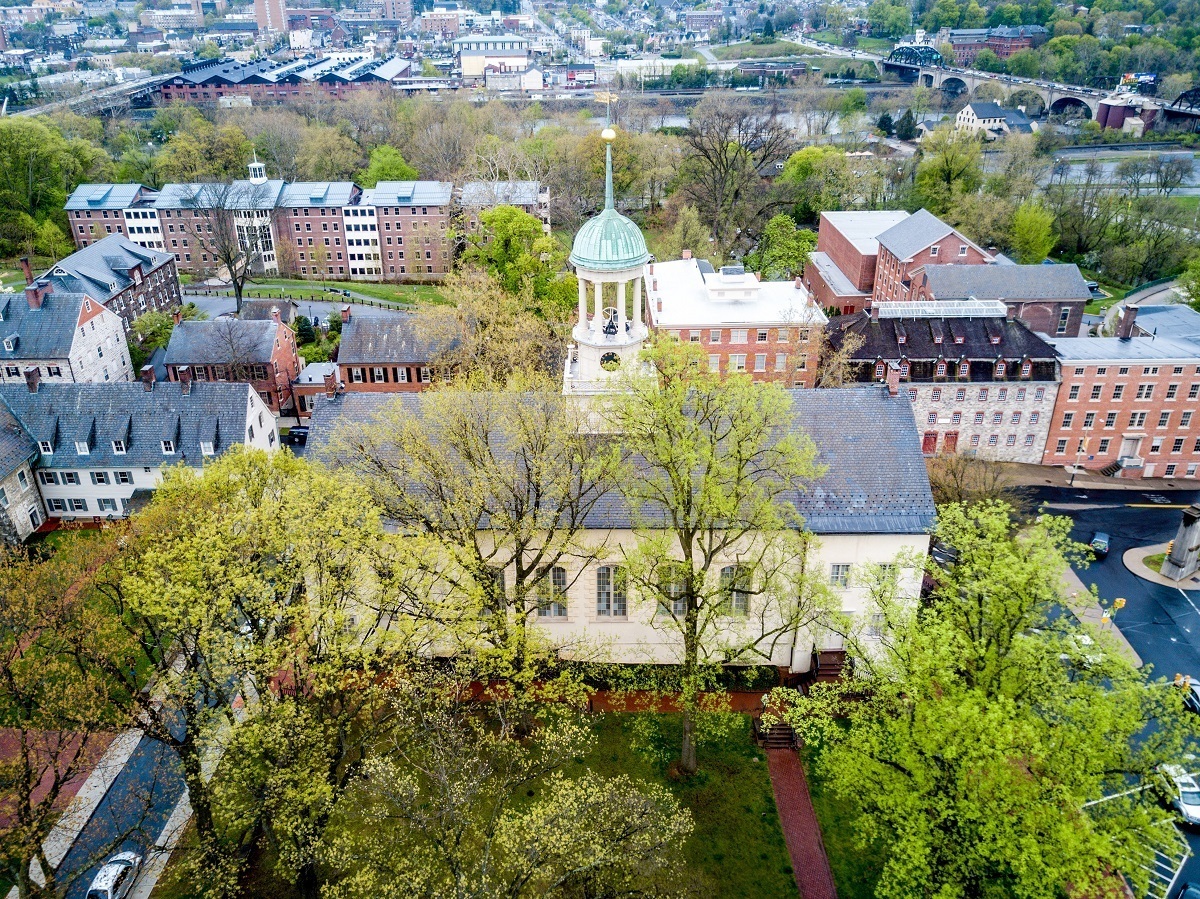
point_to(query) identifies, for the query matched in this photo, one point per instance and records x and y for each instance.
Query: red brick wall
(304, 228)
(858, 267)
(891, 273)
(111, 221)
(392, 381)
(1124, 433)
(407, 234)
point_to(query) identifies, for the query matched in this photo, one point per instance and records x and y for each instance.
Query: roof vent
(732, 271)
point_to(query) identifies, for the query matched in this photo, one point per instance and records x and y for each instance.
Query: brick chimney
(278, 319)
(893, 379)
(331, 385)
(177, 315)
(33, 377)
(874, 312)
(184, 374)
(686, 254)
(346, 313)
(1125, 322)
(148, 377)
(1011, 314)
(27, 269)
(35, 294)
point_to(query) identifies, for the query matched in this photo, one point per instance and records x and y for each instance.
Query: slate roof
(1176, 321)
(105, 196)
(317, 193)
(987, 110)
(915, 233)
(222, 342)
(875, 480)
(383, 341)
(1007, 282)
(127, 411)
(242, 194)
(102, 269)
(881, 339)
(408, 193)
(45, 333)
(493, 193)
(260, 310)
(16, 446)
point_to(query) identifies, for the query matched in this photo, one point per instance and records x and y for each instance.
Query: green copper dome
(609, 242)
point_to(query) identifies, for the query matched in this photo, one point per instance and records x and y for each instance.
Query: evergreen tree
(304, 330)
(906, 128)
(886, 125)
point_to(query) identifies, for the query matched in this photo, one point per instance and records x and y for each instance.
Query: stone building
(979, 381)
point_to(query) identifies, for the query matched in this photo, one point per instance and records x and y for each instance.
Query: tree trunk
(237, 293)
(308, 885)
(690, 693)
(687, 755)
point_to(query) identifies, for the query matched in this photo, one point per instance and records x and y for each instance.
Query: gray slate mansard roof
(383, 341)
(219, 342)
(875, 481)
(44, 333)
(102, 269)
(881, 339)
(126, 411)
(1007, 282)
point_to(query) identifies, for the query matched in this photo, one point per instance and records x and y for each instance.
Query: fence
(336, 296)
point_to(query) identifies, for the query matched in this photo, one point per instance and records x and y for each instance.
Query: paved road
(1161, 623)
(130, 816)
(214, 306)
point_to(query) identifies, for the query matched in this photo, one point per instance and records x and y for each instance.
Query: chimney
(33, 377)
(799, 283)
(874, 312)
(184, 374)
(686, 254)
(35, 294)
(893, 379)
(1011, 315)
(27, 269)
(346, 313)
(331, 385)
(1125, 322)
(276, 316)
(177, 315)
(148, 377)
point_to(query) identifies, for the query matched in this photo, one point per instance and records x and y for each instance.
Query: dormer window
(82, 448)
(995, 340)
(118, 447)
(904, 369)
(46, 447)
(168, 447)
(1026, 368)
(10, 343)
(880, 369)
(964, 369)
(206, 447)
(937, 338)
(1001, 368)
(941, 369)
(902, 338)
(958, 338)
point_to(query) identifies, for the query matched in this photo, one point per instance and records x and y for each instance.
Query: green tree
(951, 165)
(994, 726)
(1189, 282)
(854, 101)
(886, 124)
(783, 249)
(304, 330)
(386, 165)
(512, 245)
(1032, 232)
(153, 330)
(906, 127)
(688, 233)
(719, 548)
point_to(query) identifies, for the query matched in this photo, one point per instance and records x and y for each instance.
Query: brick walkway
(801, 831)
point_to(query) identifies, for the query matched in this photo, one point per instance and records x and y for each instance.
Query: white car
(115, 879)
(1187, 793)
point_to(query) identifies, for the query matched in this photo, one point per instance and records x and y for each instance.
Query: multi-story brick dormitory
(395, 231)
(1129, 405)
(979, 380)
(126, 278)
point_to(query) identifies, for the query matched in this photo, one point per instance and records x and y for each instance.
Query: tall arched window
(552, 595)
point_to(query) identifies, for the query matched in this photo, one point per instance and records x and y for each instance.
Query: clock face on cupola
(609, 253)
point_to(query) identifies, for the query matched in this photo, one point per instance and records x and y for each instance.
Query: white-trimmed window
(611, 581)
(168, 447)
(839, 574)
(737, 361)
(118, 447)
(760, 361)
(735, 589)
(554, 599)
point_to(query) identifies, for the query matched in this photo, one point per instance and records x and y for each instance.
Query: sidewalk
(1134, 560)
(1023, 474)
(1082, 603)
(801, 832)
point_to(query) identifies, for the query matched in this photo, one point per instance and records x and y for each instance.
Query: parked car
(1186, 792)
(115, 879)
(1099, 544)
(1191, 699)
(297, 436)
(1188, 891)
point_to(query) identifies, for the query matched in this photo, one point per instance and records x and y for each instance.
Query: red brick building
(267, 81)
(310, 237)
(261, 353)
(921, 239)
(383, 355)
(840, 274)
(1128, 405)
(769, 329)
(410, 221)
(127, 278)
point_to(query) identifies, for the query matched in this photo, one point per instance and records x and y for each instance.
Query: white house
(97, 445)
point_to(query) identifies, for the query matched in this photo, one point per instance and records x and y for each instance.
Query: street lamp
(1082, 448)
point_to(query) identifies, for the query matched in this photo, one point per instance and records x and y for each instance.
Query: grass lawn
(395, 293)
(855, 871)
(1191, 205)
(1116, 292)
(1155, 562)
(737, 848)
(756, 51)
